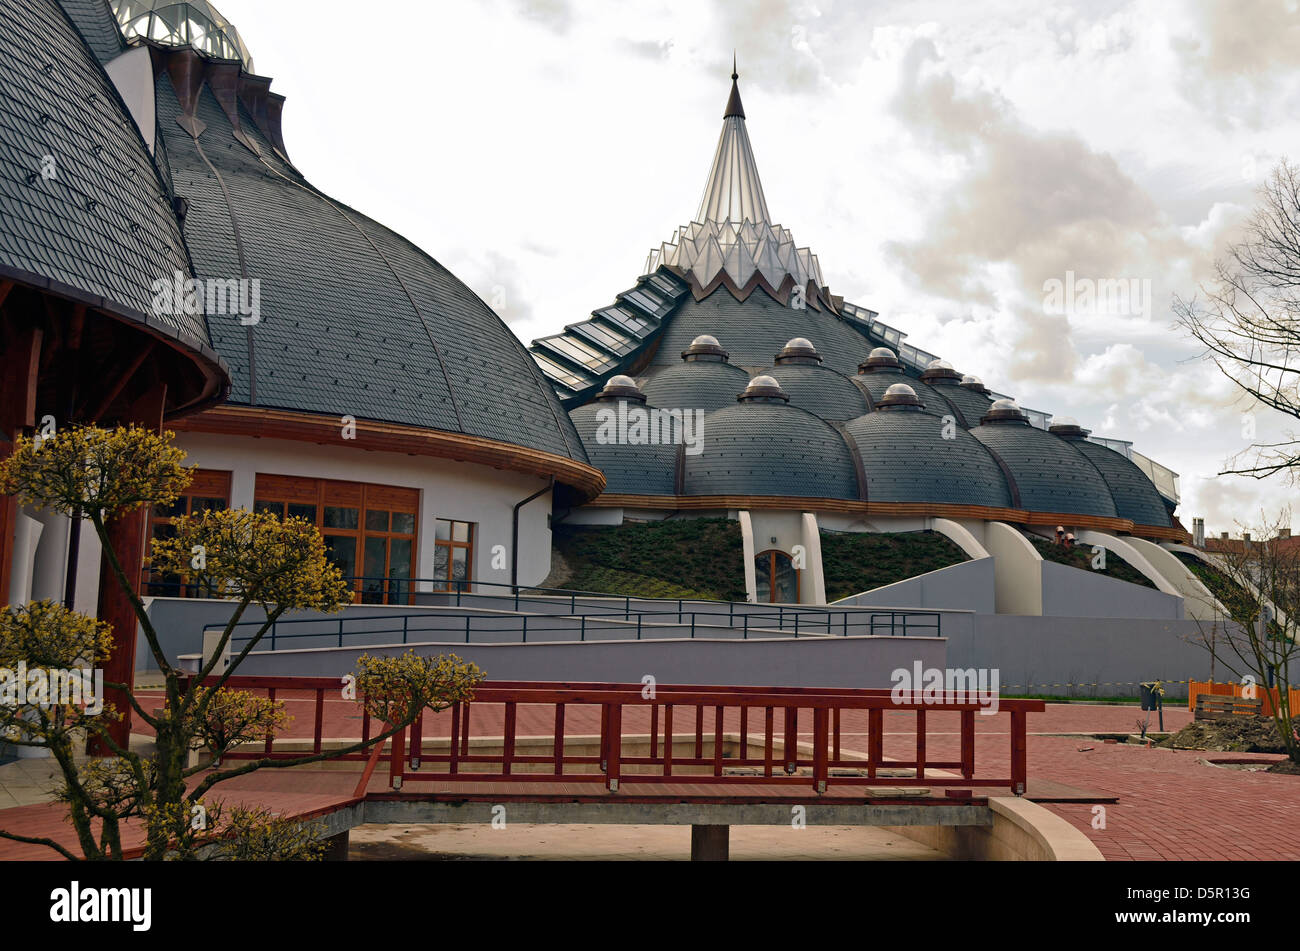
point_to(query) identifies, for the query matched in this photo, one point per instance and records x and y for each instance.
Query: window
(776, 579)
(369, 530)
(453, 554)
(210, 490)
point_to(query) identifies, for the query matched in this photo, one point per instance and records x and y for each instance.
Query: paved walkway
(1171, 805)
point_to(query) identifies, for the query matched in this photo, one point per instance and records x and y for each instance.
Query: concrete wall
(1074, 592)
(967, 586)
(1033, 653)
(796, 662)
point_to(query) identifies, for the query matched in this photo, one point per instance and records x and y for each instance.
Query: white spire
(733, 231)
(733, 191)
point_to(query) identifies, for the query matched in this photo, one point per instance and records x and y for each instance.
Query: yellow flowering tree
(254, 559)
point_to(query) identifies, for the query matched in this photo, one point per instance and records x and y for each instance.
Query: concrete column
(1018, 570)
(710, 843)
(747, 546)
(27, 535)
(1198, 602)
(813, 588)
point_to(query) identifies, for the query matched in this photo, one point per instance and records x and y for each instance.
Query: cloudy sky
(944, 159)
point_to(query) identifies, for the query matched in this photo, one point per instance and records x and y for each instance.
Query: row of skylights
(579, 359)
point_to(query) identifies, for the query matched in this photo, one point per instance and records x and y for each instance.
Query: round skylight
(705, 340)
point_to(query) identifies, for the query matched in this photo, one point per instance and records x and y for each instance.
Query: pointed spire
(733, 191)
(734, 108)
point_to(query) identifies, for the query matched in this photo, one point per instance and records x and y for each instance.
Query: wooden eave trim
(393, 437)
(986, 513)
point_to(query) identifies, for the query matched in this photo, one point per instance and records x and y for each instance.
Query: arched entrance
(776, 578)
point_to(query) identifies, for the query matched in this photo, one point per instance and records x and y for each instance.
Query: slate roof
(969, 403)
(693, 384)
(1050, 474)
(877, 381)
(355, 319)
(639, 469)
(906, 459)
(758, 328)
(1135, 496)
(757, 448)
(94, 20)
(100, 228)
(820, 390)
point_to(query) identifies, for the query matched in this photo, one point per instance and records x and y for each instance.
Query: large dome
(760, 448)
(354, 319)
(84, 213)
(1049, 473)
(906, 458)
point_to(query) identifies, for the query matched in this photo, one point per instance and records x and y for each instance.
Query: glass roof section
(579, 353)
(182, 23)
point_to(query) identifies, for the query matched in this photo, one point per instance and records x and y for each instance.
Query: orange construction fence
(1267, 694)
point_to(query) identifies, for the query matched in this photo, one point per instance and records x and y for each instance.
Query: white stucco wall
(463, 491)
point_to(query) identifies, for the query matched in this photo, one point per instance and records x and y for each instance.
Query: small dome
(698, 383)
(971, 380)
(941, 371)
(1064, 421)
(813, 386)
(1005, 411)
(798, 350)
(705, 348)
(1067, 427)
(182, 23)
(881, 358)
(764, 388)
(899, 396)
(620, 387)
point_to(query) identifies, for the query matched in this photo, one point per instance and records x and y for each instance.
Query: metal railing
(820, 624)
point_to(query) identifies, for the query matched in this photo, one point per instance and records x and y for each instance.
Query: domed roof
(758, 327)
(820, 390)
(770, 448)
(968, 401)
(876, 382)
(631, 462)
(355, 319)
(1049, 473)
(906, 458)
(84, 212)
(697, 384)
(1136, 498)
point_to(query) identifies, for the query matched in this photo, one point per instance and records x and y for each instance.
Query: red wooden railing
(679, 712)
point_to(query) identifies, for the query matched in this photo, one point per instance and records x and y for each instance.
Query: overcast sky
(944, 159)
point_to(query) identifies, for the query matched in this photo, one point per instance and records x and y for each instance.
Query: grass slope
(857, 562)
(687, 558)
(1081, 557)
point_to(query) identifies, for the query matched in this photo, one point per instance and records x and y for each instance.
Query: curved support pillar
(747, 546)
(1198, 602)
(812, 589)
(1132, 555)
(1017, 570)
(960, 536)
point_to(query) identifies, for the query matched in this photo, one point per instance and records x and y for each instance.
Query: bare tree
(1248, 319)
(1257, 634)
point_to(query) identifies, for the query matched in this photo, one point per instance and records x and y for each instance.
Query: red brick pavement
(1170, 805)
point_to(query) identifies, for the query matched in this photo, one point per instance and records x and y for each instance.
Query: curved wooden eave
(584, 480)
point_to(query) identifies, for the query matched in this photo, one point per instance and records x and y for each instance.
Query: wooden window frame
(205, 484)
(448, 583)
(365, 497)
(771, 554)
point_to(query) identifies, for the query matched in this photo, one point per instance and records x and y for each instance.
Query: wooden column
(127, 536)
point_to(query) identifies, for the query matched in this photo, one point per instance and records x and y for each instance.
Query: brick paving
(1170, 804)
